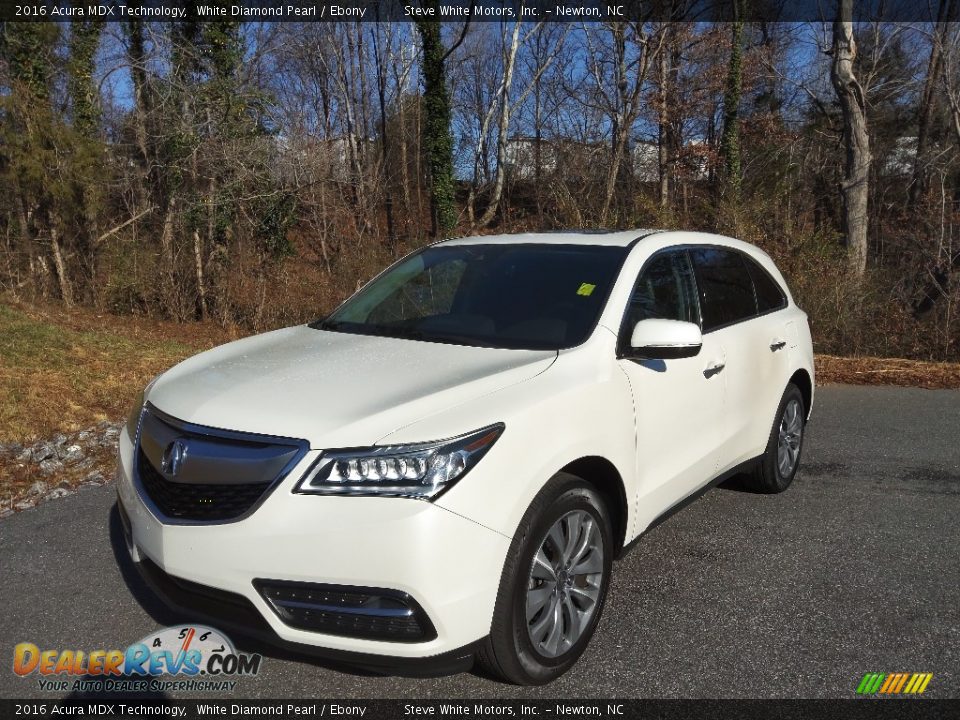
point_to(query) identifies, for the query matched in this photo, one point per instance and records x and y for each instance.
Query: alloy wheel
(563, 588)
(790, 437)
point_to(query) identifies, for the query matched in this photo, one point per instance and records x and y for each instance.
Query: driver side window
(666, 290)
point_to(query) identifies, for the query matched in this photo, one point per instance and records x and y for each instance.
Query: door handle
(778, 345)
(713, 368)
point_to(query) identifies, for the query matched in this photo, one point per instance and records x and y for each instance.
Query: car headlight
(422, 471)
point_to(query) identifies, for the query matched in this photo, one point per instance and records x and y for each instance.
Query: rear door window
(726, 289)
(770, 295)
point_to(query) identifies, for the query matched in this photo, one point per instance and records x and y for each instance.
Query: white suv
(446, 466)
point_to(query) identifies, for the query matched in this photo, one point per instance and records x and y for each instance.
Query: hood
(335, 389)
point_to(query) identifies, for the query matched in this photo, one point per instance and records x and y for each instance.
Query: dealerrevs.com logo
(199, 657)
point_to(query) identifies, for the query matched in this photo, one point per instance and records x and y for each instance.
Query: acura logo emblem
(173, 457)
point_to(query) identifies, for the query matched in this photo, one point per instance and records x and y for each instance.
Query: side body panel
(581, 407)
(755, 377)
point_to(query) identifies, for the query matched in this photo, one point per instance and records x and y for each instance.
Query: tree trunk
(438, 144)
(928, 100)
(954, 102)
(43, 272)
(66, 291)
(404, 169)
(401, 69)
(166, 260)
(855, 185)
(663, 156)
(479, 152)
(620, 120)
(26, 241)
(730, 139)
(81, 84)
(384, 139)
(418, 174)
(538, 149)
(616, 160)
(138, 73)
(198, 264)
(11, 274)
(503, 129)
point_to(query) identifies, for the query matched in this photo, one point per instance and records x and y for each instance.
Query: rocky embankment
(56, 467)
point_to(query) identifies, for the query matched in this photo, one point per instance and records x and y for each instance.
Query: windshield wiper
(326, 324)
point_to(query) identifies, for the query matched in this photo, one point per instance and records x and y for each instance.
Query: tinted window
(770, 295)
(513, 296)
(725, 287)
(430, 292)
(665, 290)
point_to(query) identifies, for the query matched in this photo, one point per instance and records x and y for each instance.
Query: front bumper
(448, 564)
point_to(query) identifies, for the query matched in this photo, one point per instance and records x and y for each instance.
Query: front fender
(580, 407)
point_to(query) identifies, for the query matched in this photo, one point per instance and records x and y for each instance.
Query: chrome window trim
(303, 447)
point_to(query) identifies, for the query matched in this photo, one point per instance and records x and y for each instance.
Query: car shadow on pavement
(741, 482)
(167, 616)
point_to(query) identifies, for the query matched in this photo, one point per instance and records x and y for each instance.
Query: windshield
(507, 296)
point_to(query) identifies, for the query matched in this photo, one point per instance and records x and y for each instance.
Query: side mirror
(665, 340)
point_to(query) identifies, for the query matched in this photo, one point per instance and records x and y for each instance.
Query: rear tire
(781, 459)
(546, 611)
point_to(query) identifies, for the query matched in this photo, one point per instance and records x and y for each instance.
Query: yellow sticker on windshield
(586, 289)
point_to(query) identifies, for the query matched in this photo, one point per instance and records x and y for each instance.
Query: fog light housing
(356, 612)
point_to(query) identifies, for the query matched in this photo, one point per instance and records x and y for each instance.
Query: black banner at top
(463, 10)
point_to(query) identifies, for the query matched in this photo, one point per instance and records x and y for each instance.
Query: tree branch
(122, 225)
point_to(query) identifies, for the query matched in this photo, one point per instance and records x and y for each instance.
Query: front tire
(781, 459)
(553, 586)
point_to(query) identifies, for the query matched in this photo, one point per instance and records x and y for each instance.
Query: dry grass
(887, 371)
(62, 371)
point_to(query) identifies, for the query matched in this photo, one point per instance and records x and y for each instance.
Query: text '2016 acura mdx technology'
(445, 467)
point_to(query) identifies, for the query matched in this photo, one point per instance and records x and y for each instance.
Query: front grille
(193, 473)
(369, 613)
(183, 501)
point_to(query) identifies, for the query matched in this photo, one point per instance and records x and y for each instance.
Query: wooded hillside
(254, 173)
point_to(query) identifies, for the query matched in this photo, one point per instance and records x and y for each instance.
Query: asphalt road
(856, 568)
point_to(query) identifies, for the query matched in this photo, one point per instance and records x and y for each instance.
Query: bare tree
(928, 99)
(945, 261)
(619, 73)
(730, 139)
(504, 105)
(855, 185)
(252, 173)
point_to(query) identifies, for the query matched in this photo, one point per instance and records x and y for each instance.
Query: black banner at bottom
(854, 709)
